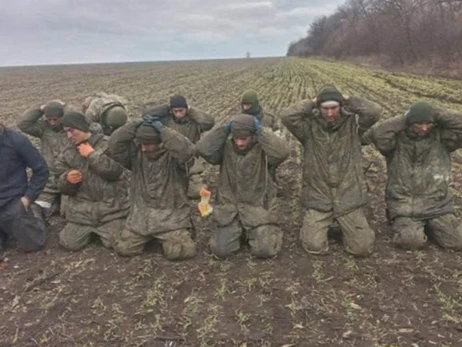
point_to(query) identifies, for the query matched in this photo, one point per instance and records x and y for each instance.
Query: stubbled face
(246, 106)
(151, 147)
(422, 129)
(330, 113)
(242, 142)
(53, 122)
(179, 112)
(76, 136)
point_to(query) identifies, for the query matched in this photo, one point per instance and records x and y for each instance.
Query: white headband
(330, 103)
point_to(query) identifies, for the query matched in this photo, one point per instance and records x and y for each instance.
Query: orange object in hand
(85, 149)
(74, 176)
(204, 206)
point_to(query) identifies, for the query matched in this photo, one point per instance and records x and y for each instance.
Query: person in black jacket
(17, 192)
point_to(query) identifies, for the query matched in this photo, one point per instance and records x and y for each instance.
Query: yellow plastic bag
(204, 206)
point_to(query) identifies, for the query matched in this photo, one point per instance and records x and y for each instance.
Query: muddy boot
(195, 186)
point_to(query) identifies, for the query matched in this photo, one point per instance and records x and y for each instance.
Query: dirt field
(95, 298)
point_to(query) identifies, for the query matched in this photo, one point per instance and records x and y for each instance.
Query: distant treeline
(400, 31)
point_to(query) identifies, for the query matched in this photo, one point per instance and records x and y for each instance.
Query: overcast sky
(81, 31)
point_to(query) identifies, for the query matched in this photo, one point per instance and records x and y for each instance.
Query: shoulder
(16, 138)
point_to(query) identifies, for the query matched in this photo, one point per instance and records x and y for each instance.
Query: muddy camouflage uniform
(52, 141)
(334, 186)
(192, 126)
(266, 118)
(96, 107)
(99, 204)
(158, 192)
(245, 201)
(419, 174)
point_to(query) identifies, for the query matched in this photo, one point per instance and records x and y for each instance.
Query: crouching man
(417, 146)
(157, 156)
(17, 193)
(245, 202)
(96, 185)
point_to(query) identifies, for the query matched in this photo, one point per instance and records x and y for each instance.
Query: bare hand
(25, 202)
(85, 149)
(74, 176)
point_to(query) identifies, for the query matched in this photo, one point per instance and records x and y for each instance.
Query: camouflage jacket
(333, 177)
(96, 105)
(159, 182)
(419, 168)
(51, 142)
(192, 126)
(102, 196)
(245, 187)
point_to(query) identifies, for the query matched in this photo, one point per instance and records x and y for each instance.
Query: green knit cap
(251, 97)
(329, 93)
(420, 112)
(75, 120)
(53, 109)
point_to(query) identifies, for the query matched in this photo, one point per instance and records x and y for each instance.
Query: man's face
(246, 106)
(330, 113)
(53, 122)
(151, 147)
(76, 136)
(179, 112)
(242, 142)
(422, 129)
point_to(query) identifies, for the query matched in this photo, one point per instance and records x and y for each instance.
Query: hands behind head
(153, 122)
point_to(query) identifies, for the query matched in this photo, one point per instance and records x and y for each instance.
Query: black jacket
(16, 155)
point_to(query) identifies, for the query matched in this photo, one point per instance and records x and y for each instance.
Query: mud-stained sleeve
(104, 166)
(203, 119)
(31, 124)
(275, 122)
(368, 112)
(383, 135)
(121, 147)
(450, 123)
(62, 168)
(179, 146)
(276, 149)
(295, 119)
(93, 112)
(211, 145)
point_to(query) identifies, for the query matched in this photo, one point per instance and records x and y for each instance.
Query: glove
(153, 122)
(85, 149)
(228, 127)
(74, 176)
(257, 125)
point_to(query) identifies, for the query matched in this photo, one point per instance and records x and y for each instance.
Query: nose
(143, 148)
(69, 135)
(425, 127)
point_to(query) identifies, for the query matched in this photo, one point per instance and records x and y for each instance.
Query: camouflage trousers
(446, 230)
(358, 237)
(75, 237)
(265, 240)
(176, 244)
(46, 205)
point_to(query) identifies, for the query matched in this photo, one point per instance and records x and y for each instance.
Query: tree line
(401, 31)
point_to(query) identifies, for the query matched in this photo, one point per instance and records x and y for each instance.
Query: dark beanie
(147, 135)
(53, 109)
(75, 120)
(243, 125)
(328, 93)
(178, 101)
(420, 112)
